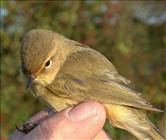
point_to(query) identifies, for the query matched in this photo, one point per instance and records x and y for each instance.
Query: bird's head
(41, 54)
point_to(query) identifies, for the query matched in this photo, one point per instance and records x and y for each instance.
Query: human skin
(63, 73)
(83, 122)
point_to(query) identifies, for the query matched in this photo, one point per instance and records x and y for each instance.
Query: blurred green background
(130, 34)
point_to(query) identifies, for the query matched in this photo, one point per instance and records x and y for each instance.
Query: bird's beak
(30, 80)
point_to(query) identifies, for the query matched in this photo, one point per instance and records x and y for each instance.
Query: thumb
(81, 122)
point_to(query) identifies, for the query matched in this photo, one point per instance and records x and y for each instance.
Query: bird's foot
(27, 127)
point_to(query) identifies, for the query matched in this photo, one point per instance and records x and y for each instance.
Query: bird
(62, 72)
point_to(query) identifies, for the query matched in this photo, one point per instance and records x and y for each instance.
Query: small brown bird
(63, 72)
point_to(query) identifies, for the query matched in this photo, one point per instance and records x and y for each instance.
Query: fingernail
(82, 111)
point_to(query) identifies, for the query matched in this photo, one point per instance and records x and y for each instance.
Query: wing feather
(87, 74)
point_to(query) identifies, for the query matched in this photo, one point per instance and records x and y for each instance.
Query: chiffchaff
(63, 72)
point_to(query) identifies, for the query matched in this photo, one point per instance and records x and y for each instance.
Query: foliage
(137, 49)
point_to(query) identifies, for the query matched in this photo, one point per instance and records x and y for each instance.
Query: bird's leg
(27, 127)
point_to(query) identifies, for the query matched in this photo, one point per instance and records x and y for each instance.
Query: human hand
(83, 122)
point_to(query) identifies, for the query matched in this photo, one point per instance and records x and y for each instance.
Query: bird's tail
(132, 120)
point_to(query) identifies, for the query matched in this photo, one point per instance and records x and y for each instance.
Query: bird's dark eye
(48, 64)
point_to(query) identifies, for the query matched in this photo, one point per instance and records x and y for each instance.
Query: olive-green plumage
(66, 72)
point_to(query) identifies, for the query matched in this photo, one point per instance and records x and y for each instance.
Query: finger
(102, 136)
(41, 116)
(38, 118)
(81, 122)
(16, 135)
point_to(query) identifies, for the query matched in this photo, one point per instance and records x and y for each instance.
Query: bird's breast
(56, 102)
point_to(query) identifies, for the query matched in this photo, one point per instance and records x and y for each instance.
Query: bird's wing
(87, 74)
